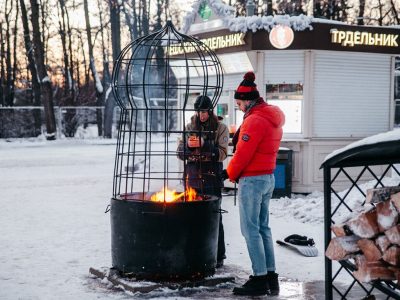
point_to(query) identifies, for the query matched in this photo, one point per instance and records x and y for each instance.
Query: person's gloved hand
(224, 174)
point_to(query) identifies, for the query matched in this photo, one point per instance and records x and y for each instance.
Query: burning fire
(172, 196)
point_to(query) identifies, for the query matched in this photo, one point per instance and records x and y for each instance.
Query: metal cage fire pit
(161, 227)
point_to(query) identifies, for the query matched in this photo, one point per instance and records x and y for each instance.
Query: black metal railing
(356, 168)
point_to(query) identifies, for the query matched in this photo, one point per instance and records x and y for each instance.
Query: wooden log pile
(372, 238)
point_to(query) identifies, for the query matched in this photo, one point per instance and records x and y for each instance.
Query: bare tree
(106, 69)
(381, 14)
(63, 36)
(43, 4)
(96, 79)
(45, 82)
(31, 67)
(2, 70)
(71, 65)
(8, 95)
(15, 58)
(360, 20)
(116, 49)
(395, 13)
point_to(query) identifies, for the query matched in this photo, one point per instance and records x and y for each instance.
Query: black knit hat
(203, 102)
(247, 89)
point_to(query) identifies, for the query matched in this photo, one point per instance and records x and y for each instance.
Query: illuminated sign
(351, 38)
(218, 42)
(281, 36)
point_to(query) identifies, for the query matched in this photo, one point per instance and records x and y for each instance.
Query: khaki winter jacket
(212, 149)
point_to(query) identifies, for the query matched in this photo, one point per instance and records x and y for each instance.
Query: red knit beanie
(247, 90)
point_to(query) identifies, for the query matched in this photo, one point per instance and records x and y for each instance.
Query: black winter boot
(273, 283)
(255, 286)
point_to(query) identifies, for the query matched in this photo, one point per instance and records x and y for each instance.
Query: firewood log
(360, 261)
(369, 249)
(395, 198)
(393, 234)
(396, 270)
(372, 272)
(364, 225)
(381, 194)
(342, 247)
(392, 256)
(341, 230)
(382, 242)
(387, 215)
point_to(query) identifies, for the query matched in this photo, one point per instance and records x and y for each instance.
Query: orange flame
(191, 194)
(172, 196)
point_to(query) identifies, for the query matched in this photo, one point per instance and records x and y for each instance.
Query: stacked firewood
(372, 238)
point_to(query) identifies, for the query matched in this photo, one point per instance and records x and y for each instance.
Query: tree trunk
(32, 69)
(106, 70)
(62, 31)
(70, 115)
(136, 21)
(116, 49)
(130, 20)
(360, 20)
(97, 82)
(395, 13)
(15, 59)
(2, 71)
(380, 7)
(43, 16)
(9, 100)
(71, 59)
(85, 66)
(145, 14)
(45, 83)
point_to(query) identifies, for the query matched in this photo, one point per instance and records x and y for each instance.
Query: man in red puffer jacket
(256, 145)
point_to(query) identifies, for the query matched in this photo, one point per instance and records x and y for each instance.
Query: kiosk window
(289, 97)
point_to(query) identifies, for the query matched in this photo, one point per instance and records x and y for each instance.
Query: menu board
(238, 62)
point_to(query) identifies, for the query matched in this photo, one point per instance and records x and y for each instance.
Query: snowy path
(53, 226)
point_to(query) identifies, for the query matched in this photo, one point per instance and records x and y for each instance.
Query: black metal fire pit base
(133, 285)
(172, 242)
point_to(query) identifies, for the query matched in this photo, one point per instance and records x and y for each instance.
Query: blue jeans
(254, 195)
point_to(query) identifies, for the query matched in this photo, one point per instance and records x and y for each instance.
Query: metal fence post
(328, 235)
(59, 125)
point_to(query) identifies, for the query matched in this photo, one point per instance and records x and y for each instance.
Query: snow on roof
(222, 9)
(393, 135)
(243, 24)
(254, 23)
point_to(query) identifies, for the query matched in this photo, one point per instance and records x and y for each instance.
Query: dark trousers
(209, 185)
(221, 240)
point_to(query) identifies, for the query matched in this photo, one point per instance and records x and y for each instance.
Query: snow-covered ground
(53, 227)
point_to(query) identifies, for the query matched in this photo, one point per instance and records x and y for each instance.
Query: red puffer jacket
(258, 143)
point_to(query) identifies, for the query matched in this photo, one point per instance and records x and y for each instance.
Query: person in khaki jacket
(205, 150)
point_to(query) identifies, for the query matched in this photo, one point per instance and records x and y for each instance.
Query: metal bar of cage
(133, 91)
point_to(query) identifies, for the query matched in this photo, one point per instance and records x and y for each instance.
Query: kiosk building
(336, 83)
